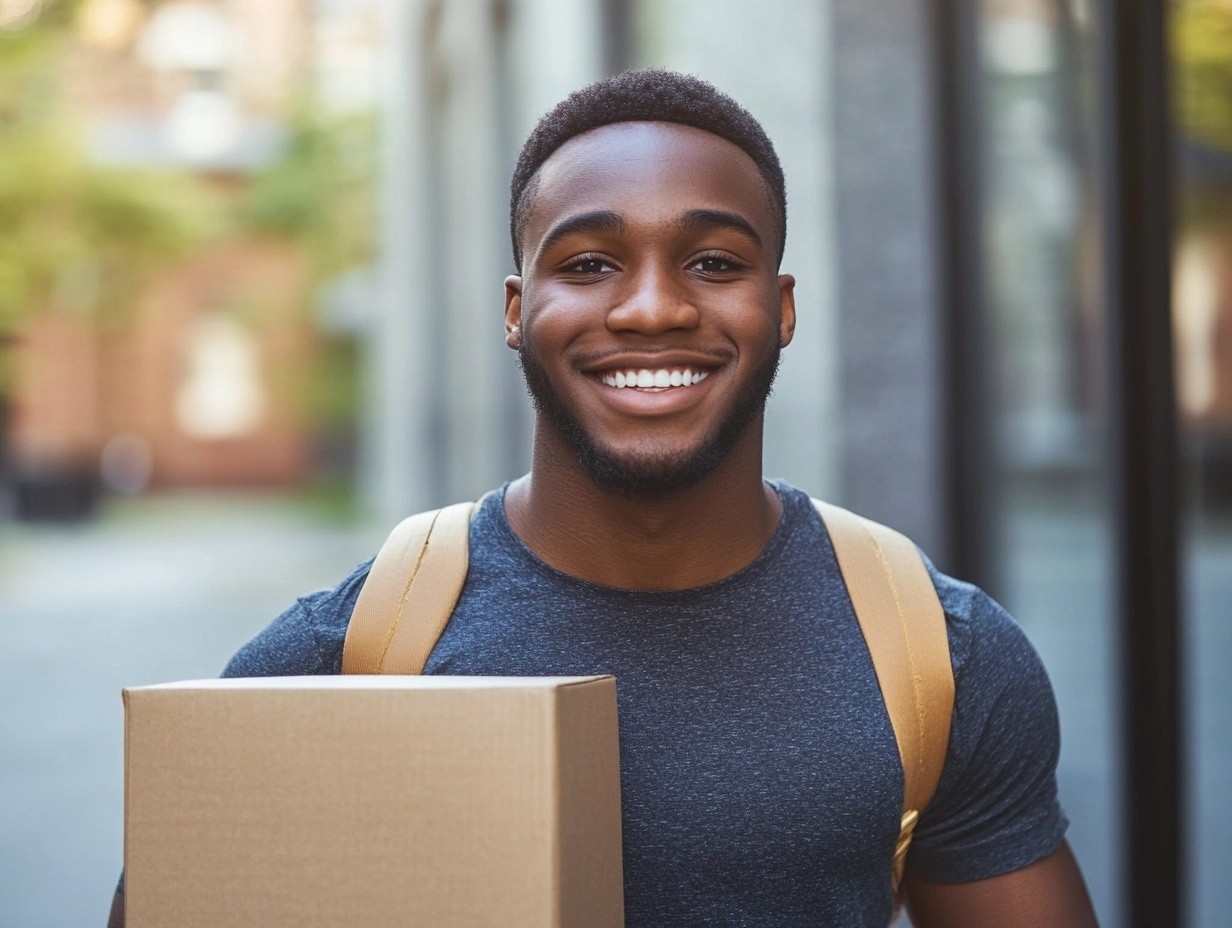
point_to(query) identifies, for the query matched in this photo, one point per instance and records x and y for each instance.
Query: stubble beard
(648, 473)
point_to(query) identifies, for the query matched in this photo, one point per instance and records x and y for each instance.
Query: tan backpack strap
(900, 615)
(409, 594)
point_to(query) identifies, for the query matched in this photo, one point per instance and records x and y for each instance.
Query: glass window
(1044, 324)
(1201, 49)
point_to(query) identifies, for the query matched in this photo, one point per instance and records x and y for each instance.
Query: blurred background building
(250, 314)
(187, 180)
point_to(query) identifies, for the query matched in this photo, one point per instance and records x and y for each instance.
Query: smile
(665, 378)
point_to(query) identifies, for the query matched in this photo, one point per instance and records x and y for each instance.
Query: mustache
(722, 355)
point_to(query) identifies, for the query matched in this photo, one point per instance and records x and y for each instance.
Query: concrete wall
(892, 453)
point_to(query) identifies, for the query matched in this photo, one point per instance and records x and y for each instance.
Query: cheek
(560, 317)
(753, 319)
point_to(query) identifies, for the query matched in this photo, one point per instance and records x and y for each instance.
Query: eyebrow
(601, 220)
(605, 220)
(699, 220)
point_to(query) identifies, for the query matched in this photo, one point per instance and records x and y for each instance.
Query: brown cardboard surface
(373, 801)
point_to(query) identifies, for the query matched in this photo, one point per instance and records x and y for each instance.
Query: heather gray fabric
(761, 784)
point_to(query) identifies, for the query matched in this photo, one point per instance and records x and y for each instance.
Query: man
(761, 782)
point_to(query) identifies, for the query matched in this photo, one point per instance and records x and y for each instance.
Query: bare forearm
(116, 918)
(1047, 894)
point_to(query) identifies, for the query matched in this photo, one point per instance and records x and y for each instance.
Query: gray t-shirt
(761, 784)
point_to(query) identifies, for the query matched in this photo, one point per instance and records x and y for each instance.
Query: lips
(653, 383)
(654, 401)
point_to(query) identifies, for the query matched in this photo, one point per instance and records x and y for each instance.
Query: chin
(648, 471)
(647, 474)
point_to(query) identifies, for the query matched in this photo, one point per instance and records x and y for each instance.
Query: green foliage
(1202, 52)
(82, 238)
(76, 235)
(333, 395)
(319, 194)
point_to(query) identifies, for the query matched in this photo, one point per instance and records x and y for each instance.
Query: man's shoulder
(969, 610)
(980, 630)
(996, 806)
(307, 638)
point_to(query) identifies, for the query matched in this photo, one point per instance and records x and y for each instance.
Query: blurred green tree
(319, 193)
(318, 196)
(83, 238)
(1202, 49)
(77, 237)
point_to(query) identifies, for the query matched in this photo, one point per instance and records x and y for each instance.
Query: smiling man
(761, 780)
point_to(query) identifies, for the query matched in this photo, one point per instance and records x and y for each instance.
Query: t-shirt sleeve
(307, 639)
(996, 807)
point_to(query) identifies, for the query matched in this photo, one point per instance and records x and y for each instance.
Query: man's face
(650, 314)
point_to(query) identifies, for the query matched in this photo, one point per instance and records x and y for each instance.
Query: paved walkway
(158, 590)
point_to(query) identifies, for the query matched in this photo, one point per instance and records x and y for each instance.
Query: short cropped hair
(651, 95)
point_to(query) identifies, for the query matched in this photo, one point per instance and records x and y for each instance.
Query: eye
(588, 265)
(714, 264)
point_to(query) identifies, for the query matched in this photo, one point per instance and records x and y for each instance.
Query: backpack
(419, 572)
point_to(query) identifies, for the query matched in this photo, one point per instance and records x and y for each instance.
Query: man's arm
(1047, 894)
(116, 918)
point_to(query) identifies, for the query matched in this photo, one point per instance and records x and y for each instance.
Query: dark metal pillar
(1138, 229)
(970, 463)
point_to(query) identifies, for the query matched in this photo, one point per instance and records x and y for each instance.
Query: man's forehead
(631, 162)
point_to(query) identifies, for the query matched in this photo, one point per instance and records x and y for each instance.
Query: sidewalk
(159, 589)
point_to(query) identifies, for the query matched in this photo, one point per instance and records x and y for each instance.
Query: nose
(654, 303)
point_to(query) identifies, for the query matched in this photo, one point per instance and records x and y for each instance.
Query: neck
(689, 537)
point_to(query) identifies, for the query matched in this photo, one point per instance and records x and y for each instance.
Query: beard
(651, 472)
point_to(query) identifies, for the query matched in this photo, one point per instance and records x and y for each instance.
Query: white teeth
(654, 380)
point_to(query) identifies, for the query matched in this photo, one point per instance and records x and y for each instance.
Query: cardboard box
(369, 801)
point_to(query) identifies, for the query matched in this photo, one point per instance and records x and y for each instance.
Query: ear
(513, 311)
(787, 309)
